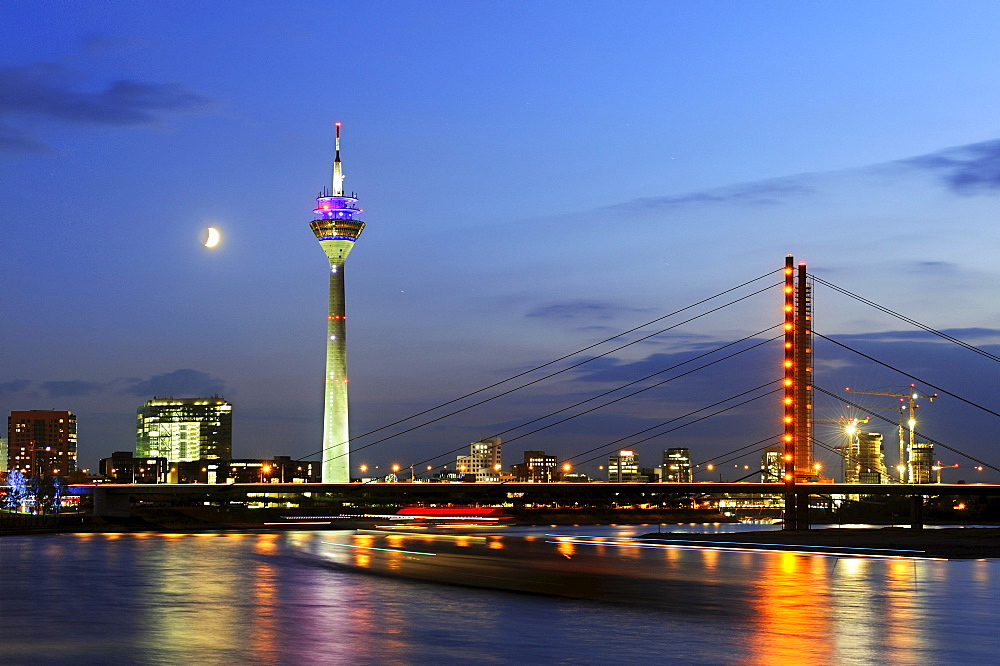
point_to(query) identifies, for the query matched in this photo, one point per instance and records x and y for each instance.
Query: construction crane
(907, 400)
(850, 449)
(938, 467)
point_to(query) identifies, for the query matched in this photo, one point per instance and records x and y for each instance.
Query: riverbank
(947, 543)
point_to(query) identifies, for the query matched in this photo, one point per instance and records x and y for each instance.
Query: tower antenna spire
(338, 174)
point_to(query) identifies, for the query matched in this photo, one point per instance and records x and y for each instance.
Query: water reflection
(296, 598)
(789, 606)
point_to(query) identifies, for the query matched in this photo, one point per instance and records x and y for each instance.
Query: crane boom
(908, 399)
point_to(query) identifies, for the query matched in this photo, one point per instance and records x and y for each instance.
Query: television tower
(336, 230)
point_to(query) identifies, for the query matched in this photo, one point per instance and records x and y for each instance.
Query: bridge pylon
(797, 393)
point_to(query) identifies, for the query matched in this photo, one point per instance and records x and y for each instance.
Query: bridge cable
(906, 374)
(915, 432)
(941, 334)
(540, 379)
(544, 365)
(729, 455)
(618, 388)
(683, 425)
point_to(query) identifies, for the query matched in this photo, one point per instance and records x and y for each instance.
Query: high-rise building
(483, 460)
(183, 429)
(3, 454)
(538, 467)
(624, 468)
(676, 466)
(772, 466)
(337, 230)
(41, 443)
(921, 462)
(870, 465)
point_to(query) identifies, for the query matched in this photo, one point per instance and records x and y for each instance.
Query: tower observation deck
(336, 228)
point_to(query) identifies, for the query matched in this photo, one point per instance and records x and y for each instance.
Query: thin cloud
(764, 193)
(576, 309)
(969, 169)
(15, 386)
(50, 92)
(70, 389)
(179, 383)
(968, 335)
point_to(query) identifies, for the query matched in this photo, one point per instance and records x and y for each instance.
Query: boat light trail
(388, 550)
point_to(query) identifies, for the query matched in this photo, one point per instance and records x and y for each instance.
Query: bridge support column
(802, 509)
(111, 505)
(917, 512)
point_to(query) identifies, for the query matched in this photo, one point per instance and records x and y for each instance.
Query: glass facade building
(184, 429)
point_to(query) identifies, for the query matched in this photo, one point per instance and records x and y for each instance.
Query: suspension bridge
(793, 386)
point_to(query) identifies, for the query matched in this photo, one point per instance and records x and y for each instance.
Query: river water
(303, 598)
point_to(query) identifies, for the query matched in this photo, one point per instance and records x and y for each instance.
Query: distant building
(538, 467)
(483, 460)
(921, 463)
(3, 454)
(184, 429)
(870, 465)
(41, 443)
(624, 468)
(676, 466)
(124, 467)
(772, 466)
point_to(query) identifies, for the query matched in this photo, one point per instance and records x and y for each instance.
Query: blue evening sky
(536, 176)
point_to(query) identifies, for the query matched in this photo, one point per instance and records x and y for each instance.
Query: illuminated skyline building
(921, 458)
(624, 468)
(772, 466)
(484, 459)
(184, 429)
(538, 467)
(41, 442)
(337, 229)
(677, 466)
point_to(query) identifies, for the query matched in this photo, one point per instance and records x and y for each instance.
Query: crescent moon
(213, 237)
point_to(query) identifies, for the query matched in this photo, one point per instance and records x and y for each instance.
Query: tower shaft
(336, 434)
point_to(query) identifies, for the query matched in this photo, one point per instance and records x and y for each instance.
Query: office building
(337, 229)
(483, 460)
(41, 443)
(772, 466)
(184, 429)
(921, 463)
(624, 468)
(124, 467)
(676, 466)
(538, 467)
